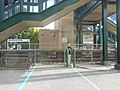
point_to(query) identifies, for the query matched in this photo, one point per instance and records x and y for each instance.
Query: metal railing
(93, 52)
(25, 58)
(33, 6)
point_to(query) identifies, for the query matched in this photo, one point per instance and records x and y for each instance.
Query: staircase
(22, 17)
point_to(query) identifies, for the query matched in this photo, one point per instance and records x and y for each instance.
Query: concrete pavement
(58, 77)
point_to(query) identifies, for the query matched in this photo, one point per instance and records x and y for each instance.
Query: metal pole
(46, 5)
(1, 56)
(100, 34)
(92, 54)
(74, 64)
(40, 5)
(28, 6)
(118, 31)
(105, 31)
(21, 5)
(117, 66)
(77, 33)
(29, 44)
(94, 35)
(1, 47)
(66, 55)
(35, 56)
(80, 34)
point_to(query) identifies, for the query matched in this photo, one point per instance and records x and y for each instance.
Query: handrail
(111, 22)
(86, 9)
(40, 5)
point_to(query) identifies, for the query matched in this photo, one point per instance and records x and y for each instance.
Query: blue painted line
(25, 79)
(97, 88)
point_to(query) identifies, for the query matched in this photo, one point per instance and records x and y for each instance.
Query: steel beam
(90, 21)
(77, 34)
(80, 33)
(85, 24)
(90, 9)
(100, 34)
(118, 31)
(21, 5)
(105, 31)
(112, 2)
(40, 5)
(94, 36)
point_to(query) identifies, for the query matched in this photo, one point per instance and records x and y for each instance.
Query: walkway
(58, 77)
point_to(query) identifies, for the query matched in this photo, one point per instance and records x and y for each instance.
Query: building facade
(58, 38)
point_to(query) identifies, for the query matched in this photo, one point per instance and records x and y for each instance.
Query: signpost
(17, 40)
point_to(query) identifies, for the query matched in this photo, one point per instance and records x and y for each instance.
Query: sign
(64, 40)
(18, 40)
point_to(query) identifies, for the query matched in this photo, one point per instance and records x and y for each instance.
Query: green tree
(31, 33)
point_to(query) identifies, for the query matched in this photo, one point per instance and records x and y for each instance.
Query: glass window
(54, 35)
(35, 1)
(31, 1)
(36, 9)
(43, 6)
(50, 3)
(25, 0)
(33, 8)
(5, 14)
(17, 9)
(24, 8)
(10, 12)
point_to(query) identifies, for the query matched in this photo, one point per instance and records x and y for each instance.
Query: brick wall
(64, 28)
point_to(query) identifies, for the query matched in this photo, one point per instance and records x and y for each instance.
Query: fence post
(93, 46)
(35, 55)
(74, 56)
(66, 56)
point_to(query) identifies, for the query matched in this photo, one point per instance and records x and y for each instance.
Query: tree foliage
(30, 33)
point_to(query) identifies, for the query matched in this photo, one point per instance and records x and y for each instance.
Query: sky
(51, 25)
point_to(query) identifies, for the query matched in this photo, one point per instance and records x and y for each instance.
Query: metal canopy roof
(96, 15)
